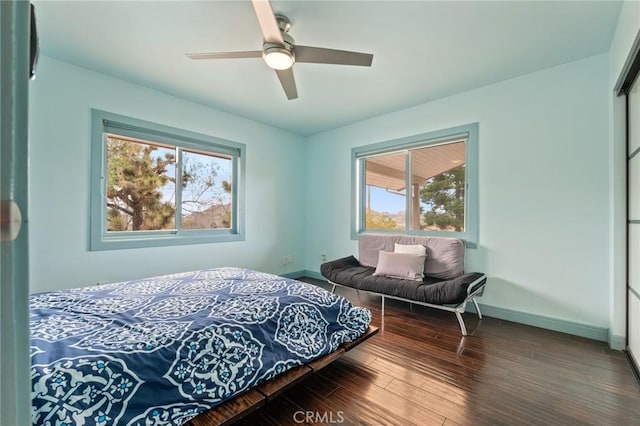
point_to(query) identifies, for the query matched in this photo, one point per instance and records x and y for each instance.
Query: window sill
(129, 242)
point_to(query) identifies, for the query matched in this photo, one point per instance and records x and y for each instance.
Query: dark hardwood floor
(419, 370)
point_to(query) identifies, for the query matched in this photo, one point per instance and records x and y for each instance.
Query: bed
(163, 350)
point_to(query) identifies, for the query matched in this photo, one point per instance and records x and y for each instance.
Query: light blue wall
(544, 167)
(543, 187)
(60, 102)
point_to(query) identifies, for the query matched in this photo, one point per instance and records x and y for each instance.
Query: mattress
(162, 350)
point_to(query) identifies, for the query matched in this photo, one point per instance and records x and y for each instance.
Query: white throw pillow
(405, 266)
(418, 249)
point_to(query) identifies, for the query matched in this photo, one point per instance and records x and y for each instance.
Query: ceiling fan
(280, 52)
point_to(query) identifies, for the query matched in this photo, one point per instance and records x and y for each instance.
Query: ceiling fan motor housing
(284, 52)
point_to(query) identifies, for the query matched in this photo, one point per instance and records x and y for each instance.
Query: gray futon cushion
(351, 273)
(445, 256)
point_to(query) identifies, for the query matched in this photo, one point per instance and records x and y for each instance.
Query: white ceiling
(423, 50)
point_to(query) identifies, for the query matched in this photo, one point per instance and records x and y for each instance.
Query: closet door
(633, 170)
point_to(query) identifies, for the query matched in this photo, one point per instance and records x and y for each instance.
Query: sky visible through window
(385, 201)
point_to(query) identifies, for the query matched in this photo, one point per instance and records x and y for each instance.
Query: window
(424, 184)
(153, 185)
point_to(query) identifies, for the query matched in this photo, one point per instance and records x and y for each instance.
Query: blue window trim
(105, 122)
(468, 131)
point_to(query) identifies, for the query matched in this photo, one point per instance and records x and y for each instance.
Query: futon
(436, 279)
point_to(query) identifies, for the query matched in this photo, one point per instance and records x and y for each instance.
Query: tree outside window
(437, 189)
(423, 184)
(142, 194)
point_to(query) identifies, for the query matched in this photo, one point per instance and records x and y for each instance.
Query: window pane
(140, 185)
(385, 191)
(438, 187)
(206, 191)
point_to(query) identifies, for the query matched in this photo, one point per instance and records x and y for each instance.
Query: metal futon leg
(475, 303)
(461, 322)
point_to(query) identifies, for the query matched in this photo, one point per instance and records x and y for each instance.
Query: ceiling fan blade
(288, 83)
(226, 55)
(267, 21)
(319, 55)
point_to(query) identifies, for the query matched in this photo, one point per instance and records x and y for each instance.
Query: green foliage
(134, 180)
(444, 194)
(226, 219)
(377, 220)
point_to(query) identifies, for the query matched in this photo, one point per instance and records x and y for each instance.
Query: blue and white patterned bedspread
(158, 351)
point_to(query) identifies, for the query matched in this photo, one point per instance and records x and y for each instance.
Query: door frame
(15, 379)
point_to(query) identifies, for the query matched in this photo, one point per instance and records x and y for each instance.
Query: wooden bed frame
(239, 406)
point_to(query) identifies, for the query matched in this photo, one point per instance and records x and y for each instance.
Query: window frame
(103, 123)
(423, 140)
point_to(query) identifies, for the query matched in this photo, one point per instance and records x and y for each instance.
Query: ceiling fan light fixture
(278, 58)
